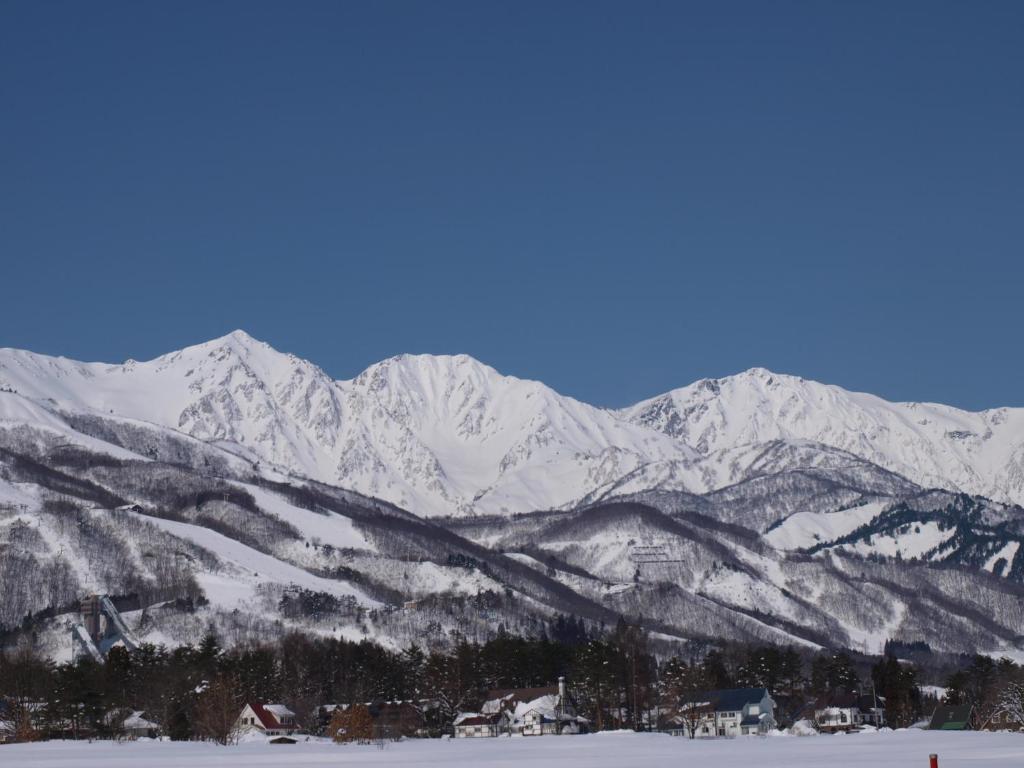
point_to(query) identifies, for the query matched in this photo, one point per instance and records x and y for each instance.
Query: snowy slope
(933, 445)
(805, 529)
(243, 569)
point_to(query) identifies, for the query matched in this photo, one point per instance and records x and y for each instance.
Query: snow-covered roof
(548, 705)
(270, 715)
(137, 720)
(279, 710)
(475, 718)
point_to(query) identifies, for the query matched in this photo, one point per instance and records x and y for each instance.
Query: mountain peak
(241, 336)
(237, 339)
(433, 372)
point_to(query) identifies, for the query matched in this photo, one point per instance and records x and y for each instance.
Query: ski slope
(243, 569)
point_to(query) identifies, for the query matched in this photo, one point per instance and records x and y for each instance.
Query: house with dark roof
(724, 713)
(950, 717)
(474, 725)
(270, 719)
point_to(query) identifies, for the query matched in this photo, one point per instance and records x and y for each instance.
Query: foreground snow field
(904, 749)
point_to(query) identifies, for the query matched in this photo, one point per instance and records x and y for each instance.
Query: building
(101, 629)
(132, 724)
(18, 719)
(724, 714)
(542, 711)
(8, 726)
(269, 719)
(473, 725)
(848, 711)
(948, 717)
(1002, 720)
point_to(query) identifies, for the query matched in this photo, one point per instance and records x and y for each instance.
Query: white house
(8, 730)
(473, 725)
(843, 711)
(726, 713)
(270, 719)
(133, 724)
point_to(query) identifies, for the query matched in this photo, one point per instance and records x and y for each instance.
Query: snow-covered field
(903, 749)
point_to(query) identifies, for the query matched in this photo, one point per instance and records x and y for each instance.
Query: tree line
(196, 692)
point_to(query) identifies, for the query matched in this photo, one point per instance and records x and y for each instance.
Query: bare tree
(1012, 702)
(687, 686)
(353, 724)
(217, 711)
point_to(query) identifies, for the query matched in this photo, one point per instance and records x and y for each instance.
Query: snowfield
(901, 749)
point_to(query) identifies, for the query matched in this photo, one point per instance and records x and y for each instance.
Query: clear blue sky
(616, 198)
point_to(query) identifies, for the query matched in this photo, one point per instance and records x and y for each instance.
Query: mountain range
(233, 484)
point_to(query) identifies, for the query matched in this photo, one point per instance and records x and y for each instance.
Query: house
(547, 710)
(949, 717)
(725, 713)
(1003, 720)
(270, 719)
(848, 711)
(473, 725)
(25, 716)
(137, 726)
(132, 724)
(8, 728)
(872, 710)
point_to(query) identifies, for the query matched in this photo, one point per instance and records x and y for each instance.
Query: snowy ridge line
(446, 434)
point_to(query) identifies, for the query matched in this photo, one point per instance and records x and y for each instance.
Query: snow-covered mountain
(431, 494)
(444, 435)
(933, 445)
(435, 434)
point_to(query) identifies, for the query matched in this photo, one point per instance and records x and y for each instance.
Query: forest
(615, 679)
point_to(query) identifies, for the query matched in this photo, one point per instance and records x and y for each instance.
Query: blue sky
(616, 198)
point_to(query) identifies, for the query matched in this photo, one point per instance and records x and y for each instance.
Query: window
(755, 709)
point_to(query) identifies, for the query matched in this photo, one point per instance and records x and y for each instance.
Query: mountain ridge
(448, 434)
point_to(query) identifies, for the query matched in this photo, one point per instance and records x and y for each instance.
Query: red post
(933, 761)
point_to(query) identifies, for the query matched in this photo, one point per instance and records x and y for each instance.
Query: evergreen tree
(897, 683)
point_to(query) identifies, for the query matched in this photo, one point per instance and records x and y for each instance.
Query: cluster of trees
(196, 692)
(993, 689)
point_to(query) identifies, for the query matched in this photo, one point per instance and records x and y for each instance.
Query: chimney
(561, 689)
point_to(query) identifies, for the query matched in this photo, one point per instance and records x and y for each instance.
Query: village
(526, 712)
(578, 682)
